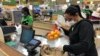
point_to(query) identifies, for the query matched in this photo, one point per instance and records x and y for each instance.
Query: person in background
(27, 1)
(6, 27)
(36, 12)
(87, 11)
(45, 13)
(1, 14)
(27, 20)
(81, 34)
(2, 21)
(50, 13)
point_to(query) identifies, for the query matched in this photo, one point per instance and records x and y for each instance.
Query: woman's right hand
(66, 26)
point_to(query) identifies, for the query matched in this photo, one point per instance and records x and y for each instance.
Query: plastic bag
(19, 29)
(60, 21)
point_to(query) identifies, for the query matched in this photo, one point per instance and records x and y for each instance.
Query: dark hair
(87, 6)
(73, 9)
(25, 9)
(79, 10)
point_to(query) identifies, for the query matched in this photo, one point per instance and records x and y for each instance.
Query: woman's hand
(66, 26)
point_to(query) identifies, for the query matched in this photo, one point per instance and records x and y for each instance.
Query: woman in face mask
(27, 19)
(81, 34)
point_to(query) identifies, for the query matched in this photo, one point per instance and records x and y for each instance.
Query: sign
(9, 2)
(17, 16)
(81, 1)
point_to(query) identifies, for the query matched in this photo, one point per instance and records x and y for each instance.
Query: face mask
(23, 15)
(72, 22)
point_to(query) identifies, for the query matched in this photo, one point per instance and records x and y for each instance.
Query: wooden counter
(8, 51)
(42, 28)
(1, 35)
(42, 25)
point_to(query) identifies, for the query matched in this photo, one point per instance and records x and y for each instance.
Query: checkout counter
(41, 30)
(5, 30)
(6, 50)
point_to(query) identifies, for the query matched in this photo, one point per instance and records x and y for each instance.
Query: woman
(27, 22)
(27, 19)
(81, 34)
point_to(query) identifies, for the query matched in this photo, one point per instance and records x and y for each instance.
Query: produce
(55, 34)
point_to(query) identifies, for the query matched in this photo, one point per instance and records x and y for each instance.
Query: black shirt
(81, 37)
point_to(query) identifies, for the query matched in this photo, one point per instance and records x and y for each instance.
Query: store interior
(45, 34)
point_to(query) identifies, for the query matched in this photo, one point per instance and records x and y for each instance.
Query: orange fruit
(52, 32)
(56, 36)
(57, 32)
(51, 38)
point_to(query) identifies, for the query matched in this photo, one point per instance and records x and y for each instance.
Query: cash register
(27, 38)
